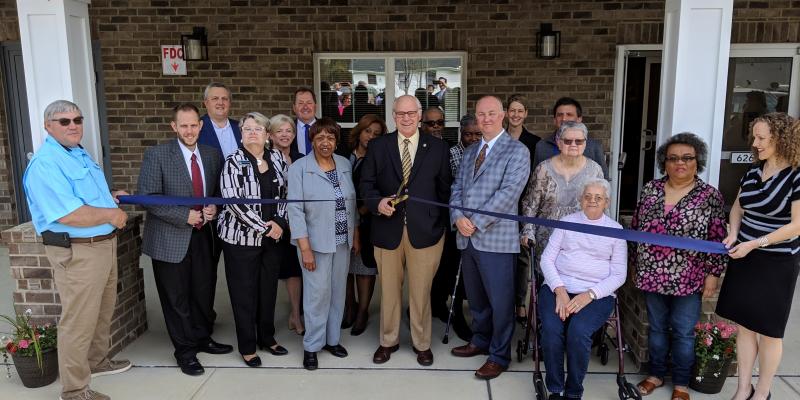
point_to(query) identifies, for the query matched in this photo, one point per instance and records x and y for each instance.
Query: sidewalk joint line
(207, 378)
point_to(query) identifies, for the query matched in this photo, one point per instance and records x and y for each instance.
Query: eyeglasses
(439, 122)
(402, 114)
(257, 129)
(593, 198)
(577, 142)
(66, 121)
(685, 159)
(470, 133)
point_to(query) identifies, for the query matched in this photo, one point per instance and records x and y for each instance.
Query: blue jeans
(673, 316)
(577, 339)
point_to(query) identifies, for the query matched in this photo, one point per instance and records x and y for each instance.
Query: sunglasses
(577, 142)
(66, 121)
(439, 122)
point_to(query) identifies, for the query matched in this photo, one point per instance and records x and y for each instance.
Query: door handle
(648, 139)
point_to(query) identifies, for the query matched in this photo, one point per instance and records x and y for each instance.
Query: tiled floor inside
(155, 375)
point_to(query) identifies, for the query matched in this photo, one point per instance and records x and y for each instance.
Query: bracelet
(763, 241)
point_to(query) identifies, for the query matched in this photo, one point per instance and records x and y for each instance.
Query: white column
(57, 55)
(697, 37)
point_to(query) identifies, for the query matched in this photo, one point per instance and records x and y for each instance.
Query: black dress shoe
(277, 351)
(310, 360)
(191, 367)
(213, 347)
(253, 362)
(336, 350)
(360, 324)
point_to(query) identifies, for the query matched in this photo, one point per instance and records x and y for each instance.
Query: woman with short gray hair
(581, 273)
(250, 235)
(556, 183)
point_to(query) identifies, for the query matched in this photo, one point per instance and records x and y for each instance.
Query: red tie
(197, 184)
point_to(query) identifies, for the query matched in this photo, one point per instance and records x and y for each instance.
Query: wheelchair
(530, 342)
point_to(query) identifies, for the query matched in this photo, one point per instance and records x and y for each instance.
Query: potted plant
(33, 349)
(714, 349)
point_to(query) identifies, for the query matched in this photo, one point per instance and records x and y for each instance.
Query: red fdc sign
(172, 60)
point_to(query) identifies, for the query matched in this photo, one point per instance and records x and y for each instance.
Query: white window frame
(389, 58)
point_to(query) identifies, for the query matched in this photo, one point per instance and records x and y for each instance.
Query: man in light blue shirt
(77, 216)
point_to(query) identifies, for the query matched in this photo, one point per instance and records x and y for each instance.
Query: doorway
(19, 129)
(636, 161)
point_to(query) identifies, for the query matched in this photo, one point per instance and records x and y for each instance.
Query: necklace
(259, 161)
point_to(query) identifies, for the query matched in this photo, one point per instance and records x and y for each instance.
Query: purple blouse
(698, 215)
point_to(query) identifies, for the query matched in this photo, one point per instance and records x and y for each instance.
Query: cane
(446, 337)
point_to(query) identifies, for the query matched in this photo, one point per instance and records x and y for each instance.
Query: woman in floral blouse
(679, 204)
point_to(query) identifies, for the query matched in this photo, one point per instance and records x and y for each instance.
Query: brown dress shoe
(489, 370)
(468, 350)
(424, 357)
(383, 354)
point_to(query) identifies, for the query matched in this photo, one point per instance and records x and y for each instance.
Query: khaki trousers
(86, 279)
(421, 265)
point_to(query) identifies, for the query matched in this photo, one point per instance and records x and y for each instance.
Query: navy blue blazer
(381, 175)
(208, 136)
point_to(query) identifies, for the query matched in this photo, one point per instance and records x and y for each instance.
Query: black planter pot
(29, 372)
(713, 378)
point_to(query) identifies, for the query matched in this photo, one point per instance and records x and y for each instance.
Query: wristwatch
(592, 295)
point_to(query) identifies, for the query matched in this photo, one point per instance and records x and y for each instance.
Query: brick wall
(36, 290)
(264, 49)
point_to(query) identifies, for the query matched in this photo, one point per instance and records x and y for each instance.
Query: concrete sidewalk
(155, 375)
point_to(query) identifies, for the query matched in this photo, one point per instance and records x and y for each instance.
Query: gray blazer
(316, 220)
(496, 187)
(163, 172)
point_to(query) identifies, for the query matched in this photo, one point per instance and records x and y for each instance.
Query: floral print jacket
(698, 215)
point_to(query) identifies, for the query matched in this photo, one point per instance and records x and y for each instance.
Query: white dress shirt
(187, 158)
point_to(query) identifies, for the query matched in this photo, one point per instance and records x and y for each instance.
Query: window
(351, 85)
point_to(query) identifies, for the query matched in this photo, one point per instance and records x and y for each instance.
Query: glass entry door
(759, 82)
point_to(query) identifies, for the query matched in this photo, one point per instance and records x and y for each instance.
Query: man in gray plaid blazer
(491, 177)
(179, 238)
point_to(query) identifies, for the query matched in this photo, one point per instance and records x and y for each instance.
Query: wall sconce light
(548, 42)
(195, 46)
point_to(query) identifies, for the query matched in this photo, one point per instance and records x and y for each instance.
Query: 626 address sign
(741, 157)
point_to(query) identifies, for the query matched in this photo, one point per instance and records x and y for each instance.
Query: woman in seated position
(581, 273)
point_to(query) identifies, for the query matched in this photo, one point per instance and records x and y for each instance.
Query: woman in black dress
(281, 136)
(759, 286)
(363, 268)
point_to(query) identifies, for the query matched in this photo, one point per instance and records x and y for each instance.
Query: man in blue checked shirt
(77, 217)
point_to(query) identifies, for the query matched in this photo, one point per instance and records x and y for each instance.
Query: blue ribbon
(658, 239)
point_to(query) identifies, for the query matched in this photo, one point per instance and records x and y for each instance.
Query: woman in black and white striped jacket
(250, 233)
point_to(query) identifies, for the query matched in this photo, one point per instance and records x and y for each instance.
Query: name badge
(244, 163)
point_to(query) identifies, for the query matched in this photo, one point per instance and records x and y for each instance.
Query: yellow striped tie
(406, 162)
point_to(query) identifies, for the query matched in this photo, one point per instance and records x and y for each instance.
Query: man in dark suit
(219, 130)
(304, 106)
(178, 238)
(491, 178)
(402, 235)
(222, 133)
